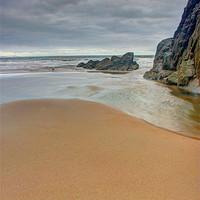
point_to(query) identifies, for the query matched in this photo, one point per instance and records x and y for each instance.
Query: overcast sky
(79, 27)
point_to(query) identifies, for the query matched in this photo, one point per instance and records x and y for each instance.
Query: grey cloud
(86, 23)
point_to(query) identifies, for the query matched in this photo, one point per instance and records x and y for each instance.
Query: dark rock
(134, 66)
(127, 58)
(151, 75)
(185, 30)
(163, 53)
(125, 63)
(182, 52)
(162, 60)
(124, 67)
(91, 64)
(105, 64)
(157, 75)
(82, 64)
(115, 58)
(119, 66)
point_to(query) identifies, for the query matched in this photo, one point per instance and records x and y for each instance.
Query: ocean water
(31, 78)
(36, 64)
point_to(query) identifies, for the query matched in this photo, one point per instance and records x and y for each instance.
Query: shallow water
(147, 100)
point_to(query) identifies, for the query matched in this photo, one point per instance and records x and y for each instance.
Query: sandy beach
(54, 149)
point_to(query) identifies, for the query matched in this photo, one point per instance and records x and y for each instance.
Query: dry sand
(79, 150)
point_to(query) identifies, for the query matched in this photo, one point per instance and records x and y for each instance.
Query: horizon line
(73, 55)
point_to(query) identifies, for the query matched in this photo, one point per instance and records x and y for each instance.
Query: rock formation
(178, 59)
(124, 63)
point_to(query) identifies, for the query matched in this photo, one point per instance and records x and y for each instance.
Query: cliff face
(178, 58)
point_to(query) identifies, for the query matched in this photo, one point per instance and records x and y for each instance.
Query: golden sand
(78, 150)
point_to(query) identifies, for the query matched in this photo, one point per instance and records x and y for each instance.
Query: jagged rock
(163, 55)
(125, 63)
(184, 32)
(127, 58)
(152, 75)
(172, 79)
(104, 64)
(182, 52)
(157, 75)
(91, 64)
(115, 58)
(134, 66)
(82, 64)
(162, 62)
(185, 73)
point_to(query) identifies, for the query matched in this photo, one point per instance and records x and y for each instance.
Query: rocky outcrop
(90, 65)
(105, 64)
(162, 67)
(124, 63)
(172, 79)
(178, 58)
(115, 58)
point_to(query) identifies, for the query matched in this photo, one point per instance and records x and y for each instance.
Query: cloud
(88, 24)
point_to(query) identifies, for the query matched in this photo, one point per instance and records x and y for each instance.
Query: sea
(58, 77)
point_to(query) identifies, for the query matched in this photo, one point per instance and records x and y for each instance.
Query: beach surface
(73, 149)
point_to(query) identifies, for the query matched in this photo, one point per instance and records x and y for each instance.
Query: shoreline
(135, 89)
(76, 149)
(109, 106)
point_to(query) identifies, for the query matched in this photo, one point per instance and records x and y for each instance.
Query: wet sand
(73, 149)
